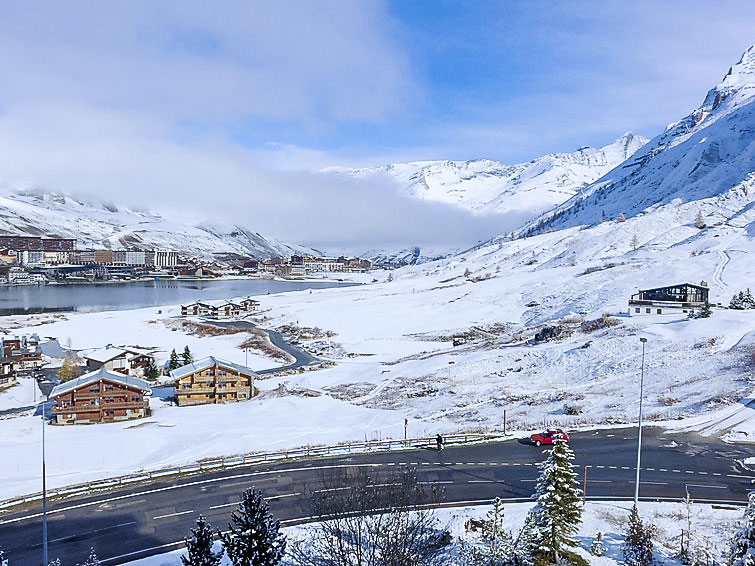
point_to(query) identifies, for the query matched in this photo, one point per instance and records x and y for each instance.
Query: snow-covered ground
(23, 394)
(712, 527)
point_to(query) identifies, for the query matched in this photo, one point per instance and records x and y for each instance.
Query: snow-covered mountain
(702, 155)
(485, 186)
(97, 224)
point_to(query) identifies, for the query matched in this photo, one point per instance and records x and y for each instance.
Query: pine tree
(699, 220)
(736, 302)
(253, 537)
(557, 513)
(153, 372)
(638, 542)
(199, 546)
(497, 547)
(187, 357)
(748, 301)
(92, 559)
(705, 311)
(173, 363)
(597, 548)
(3, 560)
(621, 218)
(743, 549)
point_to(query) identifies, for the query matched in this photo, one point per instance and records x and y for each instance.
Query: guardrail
(257, 458)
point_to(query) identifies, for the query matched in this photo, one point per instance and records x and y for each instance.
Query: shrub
(604, 321)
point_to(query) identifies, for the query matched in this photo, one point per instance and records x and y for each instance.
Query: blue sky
(186, 106)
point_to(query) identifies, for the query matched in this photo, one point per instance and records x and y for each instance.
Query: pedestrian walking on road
(439, 440)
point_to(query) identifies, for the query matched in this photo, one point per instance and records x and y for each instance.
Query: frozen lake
(27, 299)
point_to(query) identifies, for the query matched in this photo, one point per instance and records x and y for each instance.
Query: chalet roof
(675, 285)
(205, 363)
(94, 376)
(106, 354)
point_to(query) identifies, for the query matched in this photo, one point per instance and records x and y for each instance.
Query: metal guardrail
(258, 458)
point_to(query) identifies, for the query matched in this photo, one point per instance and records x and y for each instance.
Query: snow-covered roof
(95, 376)
(106, 354)
(205, 363)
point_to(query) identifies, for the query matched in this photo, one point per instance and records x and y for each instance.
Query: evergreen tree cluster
(742, 301)
(550, 527)
(253, 537)
(175, 361)
(743, 549)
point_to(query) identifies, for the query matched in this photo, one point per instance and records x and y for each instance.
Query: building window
(637, 309)
(659, 311)
(647, 311)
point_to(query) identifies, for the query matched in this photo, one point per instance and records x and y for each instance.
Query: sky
(228, 110)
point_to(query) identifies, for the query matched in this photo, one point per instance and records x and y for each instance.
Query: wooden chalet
(24, 352)
(100, 396)
(211, 380)
(121, 360)
(219, 309)
(684, 298)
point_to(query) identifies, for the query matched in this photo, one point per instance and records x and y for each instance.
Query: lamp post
(44, 494)
(639, 426)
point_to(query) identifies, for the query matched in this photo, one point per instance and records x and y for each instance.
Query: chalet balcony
(79, 408)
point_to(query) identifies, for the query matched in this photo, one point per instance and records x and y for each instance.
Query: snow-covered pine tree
(748, 301)
(187, 357)
(597, 548)
(638, 542)
(743, 549)
(199, 546)
(706, 310)
(253, 537)
(621, 218)
(92, 559)
(557, 513)
(496, 546)
(3, 560)
(525, 543)
(736, 301)
(173, 363)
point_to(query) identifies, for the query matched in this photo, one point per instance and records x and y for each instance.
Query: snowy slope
(107, 225)
(484, 186)
(704, 154)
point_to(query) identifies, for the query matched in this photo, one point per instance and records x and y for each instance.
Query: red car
(548, 436)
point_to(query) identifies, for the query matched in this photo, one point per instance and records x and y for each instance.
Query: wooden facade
(100, 396)
(210, 381)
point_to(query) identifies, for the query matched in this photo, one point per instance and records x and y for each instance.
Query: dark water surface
(28, 299)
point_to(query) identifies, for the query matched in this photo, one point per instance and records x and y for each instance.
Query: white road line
(650, 469)
(662, 469)
(703, 473)
(172, 515)
(710, 486)
(677, 471)
(653, 483)
(235, 503)
(624, 467)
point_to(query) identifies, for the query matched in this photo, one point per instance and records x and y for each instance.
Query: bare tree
(369, 520)
(635, 243)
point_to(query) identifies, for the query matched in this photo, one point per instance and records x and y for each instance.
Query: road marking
(94, 532)
(688, 472)
(710, 486)
(650, 469)
(599, 481)
(223, 505)
(653, 483)
(703, 473)
(677, 471)
(172, 515)
(624, 467)
(663, 469)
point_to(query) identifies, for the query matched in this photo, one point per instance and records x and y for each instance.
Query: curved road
(151, 518)
(301, 357)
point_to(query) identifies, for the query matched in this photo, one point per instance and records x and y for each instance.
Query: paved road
(301, 357)
(151, 518)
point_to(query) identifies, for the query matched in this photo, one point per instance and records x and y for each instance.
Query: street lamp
(639, 426)
(44, 493)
